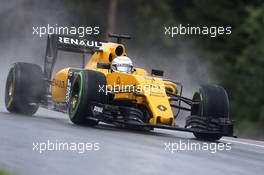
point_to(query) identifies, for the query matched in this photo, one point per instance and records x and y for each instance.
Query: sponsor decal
(68, 88)
(58, 83)
(79, 42)
(98, 109)
(118, 80)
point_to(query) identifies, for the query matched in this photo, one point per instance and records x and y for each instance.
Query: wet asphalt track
(121, 151)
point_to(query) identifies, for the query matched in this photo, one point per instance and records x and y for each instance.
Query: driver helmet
(122, 64)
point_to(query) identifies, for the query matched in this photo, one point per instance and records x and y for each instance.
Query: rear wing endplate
(68, 44)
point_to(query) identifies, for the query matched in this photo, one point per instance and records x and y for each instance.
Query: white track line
(252, 140)
(244, 143)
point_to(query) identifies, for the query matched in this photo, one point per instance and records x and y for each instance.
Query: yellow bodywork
(58, 85)
(150, 90)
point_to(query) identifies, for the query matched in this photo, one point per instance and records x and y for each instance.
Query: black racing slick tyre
(84, 90)
(24, 88)
(213, 102)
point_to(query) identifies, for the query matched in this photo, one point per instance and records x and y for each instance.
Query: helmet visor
(122, 68)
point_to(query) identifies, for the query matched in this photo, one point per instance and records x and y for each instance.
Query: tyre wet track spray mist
(19, 44)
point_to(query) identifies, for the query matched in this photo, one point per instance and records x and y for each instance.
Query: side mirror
(103, 66)
(157, 72)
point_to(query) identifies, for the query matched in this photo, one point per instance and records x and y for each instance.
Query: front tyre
(85, 89)
(24, 88)
(213, 103)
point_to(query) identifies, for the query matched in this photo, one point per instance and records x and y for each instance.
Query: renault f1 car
(95, 93)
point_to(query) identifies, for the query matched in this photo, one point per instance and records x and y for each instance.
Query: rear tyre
(213, 102)
(85, 89)
(24, 88)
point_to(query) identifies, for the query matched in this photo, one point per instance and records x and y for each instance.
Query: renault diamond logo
(161, 107)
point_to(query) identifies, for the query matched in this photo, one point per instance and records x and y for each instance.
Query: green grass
(248, 129)
(2, 172)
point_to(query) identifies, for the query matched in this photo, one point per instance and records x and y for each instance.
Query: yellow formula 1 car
(110, 89)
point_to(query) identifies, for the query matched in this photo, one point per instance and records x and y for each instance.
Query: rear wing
(68, 44)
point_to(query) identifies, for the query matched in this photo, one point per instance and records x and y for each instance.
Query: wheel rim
(74, 101)
(10, 90)
(197, 109)
(75, 95)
